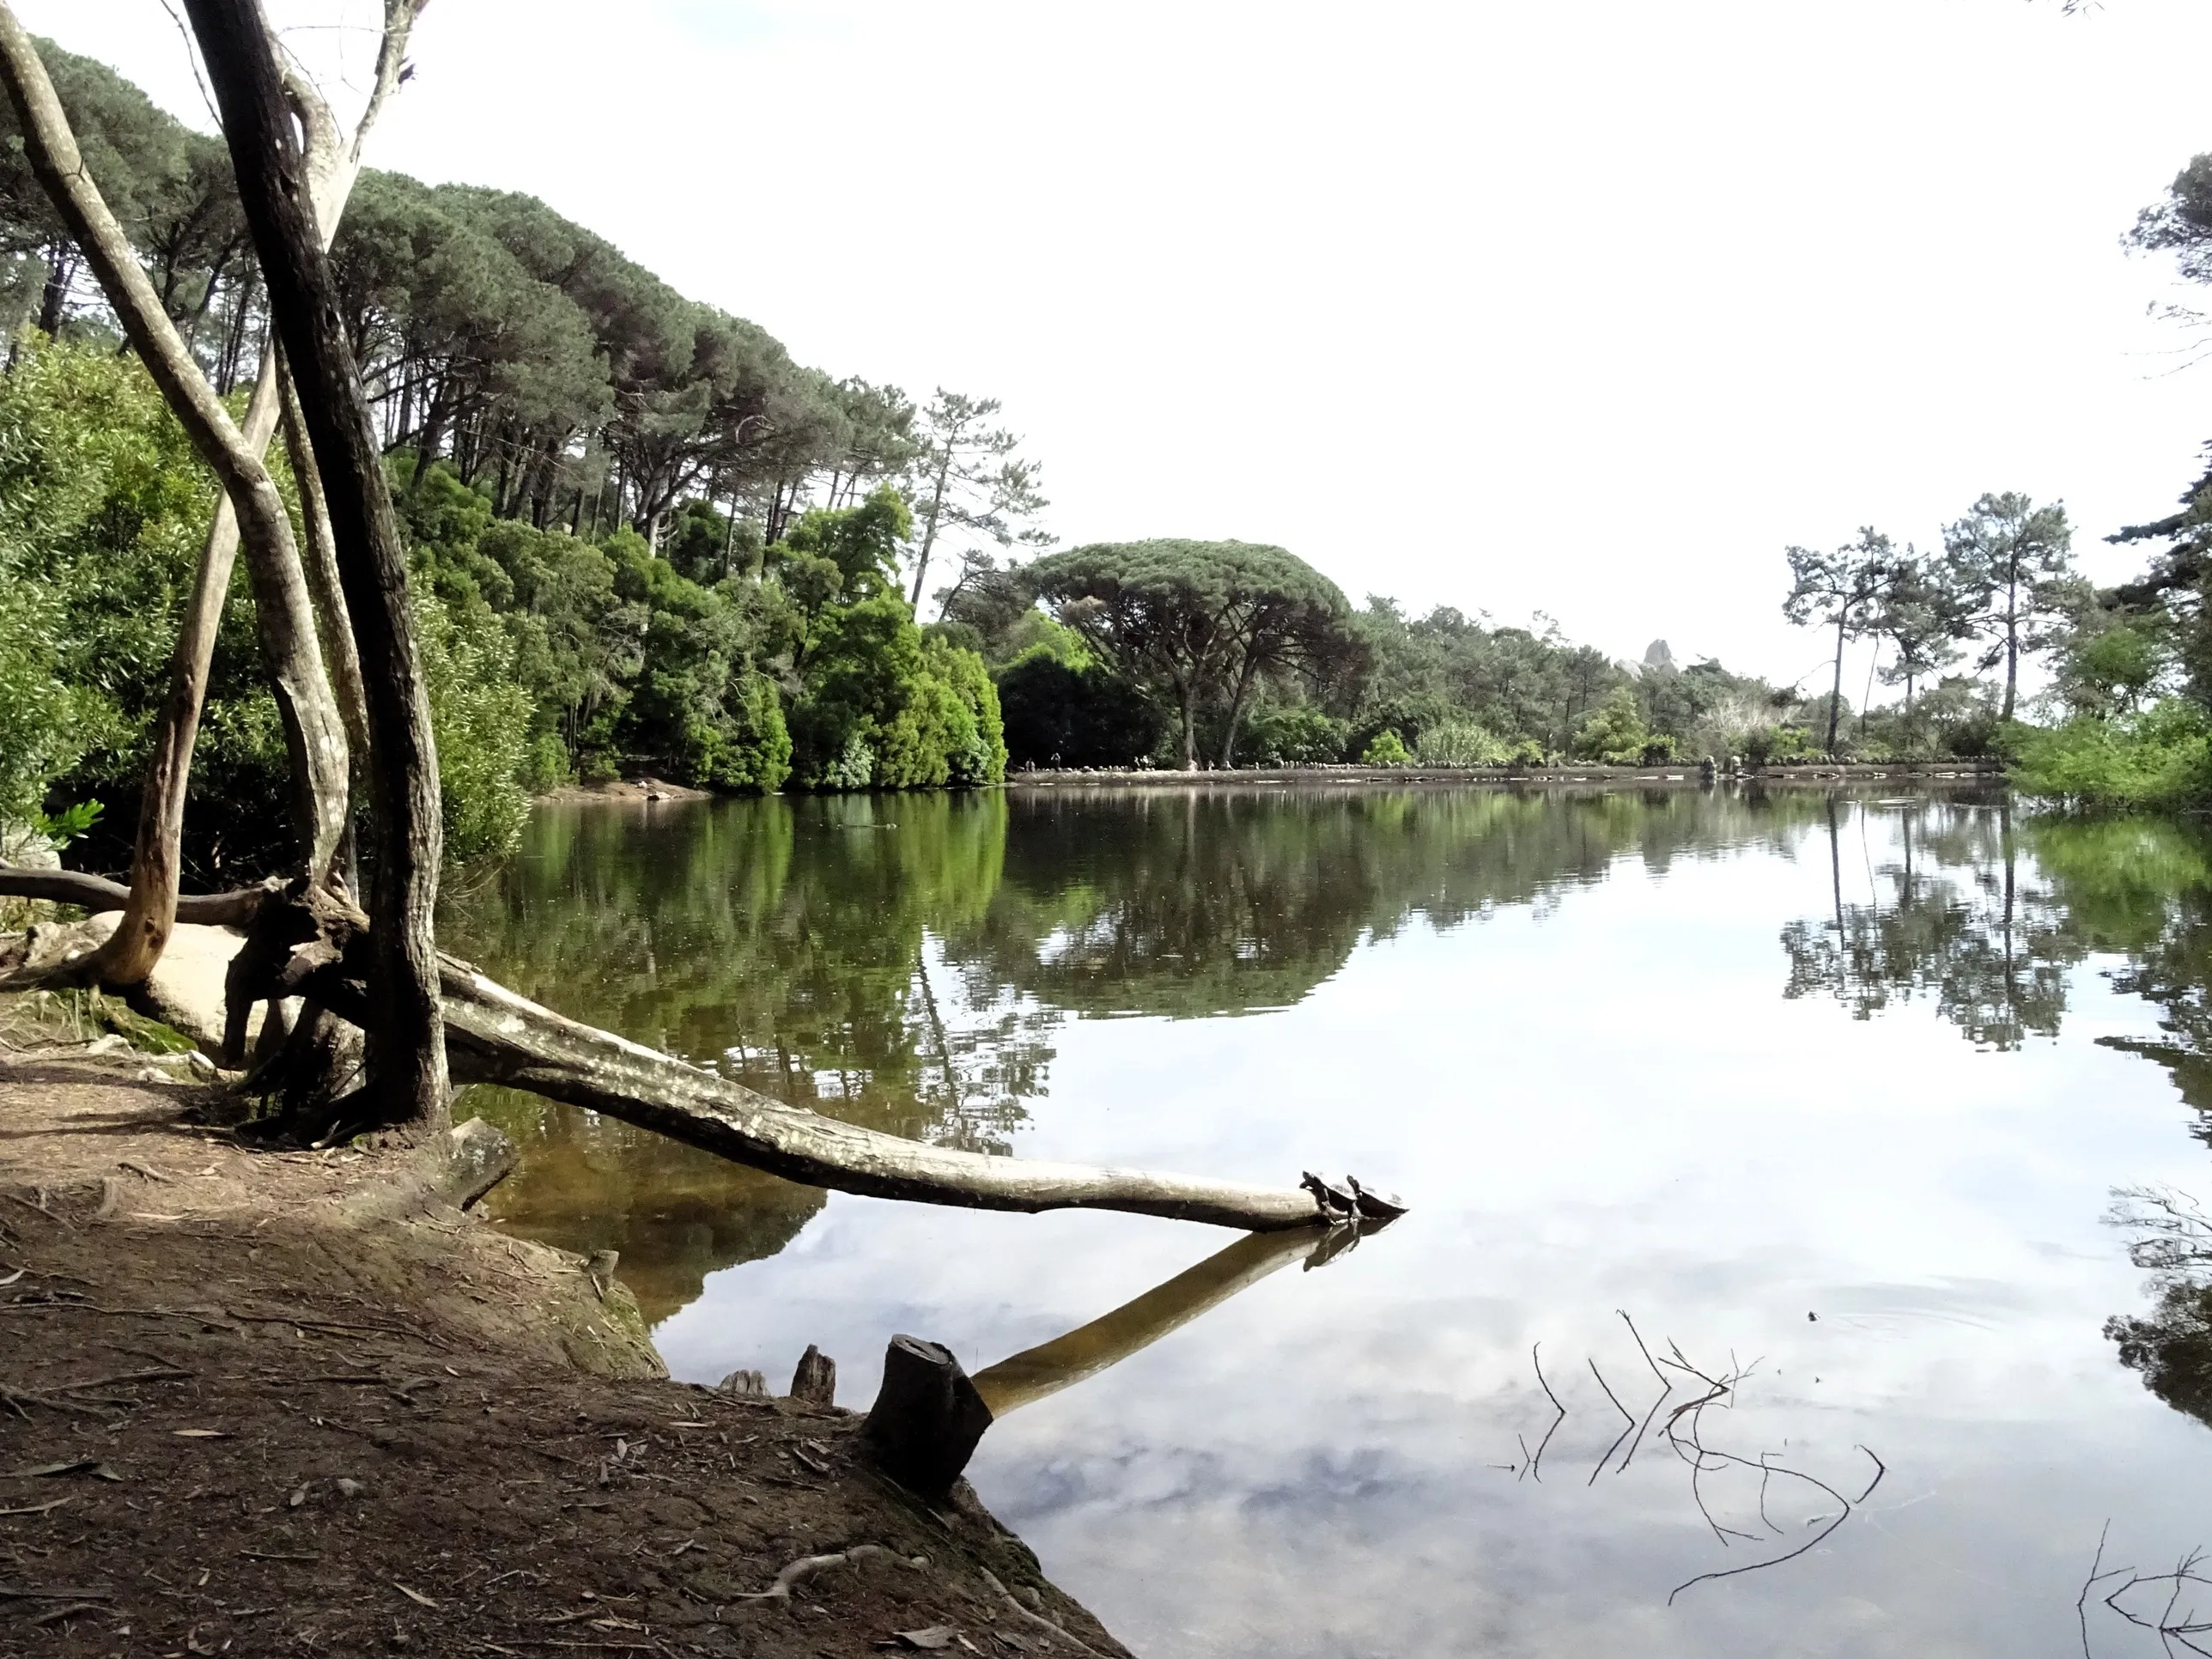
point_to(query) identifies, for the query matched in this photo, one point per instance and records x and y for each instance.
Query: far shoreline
(649, 790)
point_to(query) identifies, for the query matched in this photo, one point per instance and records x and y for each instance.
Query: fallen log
(97, 893)
(314, 944)
(494, 1035)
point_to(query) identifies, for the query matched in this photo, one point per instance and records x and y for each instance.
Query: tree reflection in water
(1986, 914)
(1966, 920)
(903, 961)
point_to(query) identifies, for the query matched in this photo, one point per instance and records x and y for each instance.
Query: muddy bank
(626, 790)
(264, 1402)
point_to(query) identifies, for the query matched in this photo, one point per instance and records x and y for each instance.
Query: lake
(1763, 1152)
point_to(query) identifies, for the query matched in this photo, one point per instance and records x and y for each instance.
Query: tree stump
(928, 1416)
(816, 1380)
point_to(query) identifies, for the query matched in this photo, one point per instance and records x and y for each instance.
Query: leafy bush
(1460, 743)
(1386, 748)
(1616, 736)
(1297, 735)
(883, 708)
(1777, 745)
(2160, 758)
(481, 718)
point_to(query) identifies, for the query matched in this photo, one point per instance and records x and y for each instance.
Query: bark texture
(406, 1053)
(928, 1416)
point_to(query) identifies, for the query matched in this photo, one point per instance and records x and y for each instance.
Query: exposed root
(1034, 1616)
(797, 1572)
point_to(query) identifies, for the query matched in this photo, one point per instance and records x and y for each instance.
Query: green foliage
(1294, 734)
(862, 542)
(481, 720)
(2161, 758)
(1617, 736)
(884, 708)
(1776, 745)
(1387, 749)
(69, 824)
(1461, 743)
(1064, 713)
(2108, 664)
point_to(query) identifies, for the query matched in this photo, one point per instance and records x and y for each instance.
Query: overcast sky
(1588, 306)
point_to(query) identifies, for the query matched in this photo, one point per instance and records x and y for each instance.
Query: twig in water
(1850, 1505)
(1607, 1456)
(1536, 1465)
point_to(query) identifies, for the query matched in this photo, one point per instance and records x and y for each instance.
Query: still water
(1810, 1109)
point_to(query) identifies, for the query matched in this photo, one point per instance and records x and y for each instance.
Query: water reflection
(905, 961)
(1554, 1023)
(1965, 919)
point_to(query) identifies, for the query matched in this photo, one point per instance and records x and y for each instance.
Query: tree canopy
(1189, 620)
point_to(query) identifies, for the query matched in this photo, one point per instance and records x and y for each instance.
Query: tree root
(1034, 1616)
(797, 1572)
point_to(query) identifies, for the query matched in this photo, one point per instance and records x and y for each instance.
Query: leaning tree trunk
(406, 1078)
(314, 734)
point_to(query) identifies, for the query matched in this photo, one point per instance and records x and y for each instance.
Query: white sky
(1590, 306)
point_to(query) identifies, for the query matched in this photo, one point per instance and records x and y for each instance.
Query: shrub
(884, 708)
(1460, 743)
(1386, 748)
(1616, 735)
(2160, 758)
(481, 718)
(1297, 734)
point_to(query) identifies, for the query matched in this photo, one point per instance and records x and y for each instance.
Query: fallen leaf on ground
(413, 1595)
(937, 1635)
(201, 1434)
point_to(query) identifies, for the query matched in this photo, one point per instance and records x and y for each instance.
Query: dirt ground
(255, 1402)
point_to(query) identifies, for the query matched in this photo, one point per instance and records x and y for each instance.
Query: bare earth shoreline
(258, 1402)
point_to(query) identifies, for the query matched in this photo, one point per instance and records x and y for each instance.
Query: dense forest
(646, 541)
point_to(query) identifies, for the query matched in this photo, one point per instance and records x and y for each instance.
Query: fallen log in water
(314, 945)
(494, 1035)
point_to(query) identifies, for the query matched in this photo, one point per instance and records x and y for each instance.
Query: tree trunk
(1235, 715)
(312, 730)
(1189, 729)
(406, 1056)
(53, 299)
(929, 528)
(1836, 693)
(315, 946)
(2012, 644)
(928, 1416)
(334, 623)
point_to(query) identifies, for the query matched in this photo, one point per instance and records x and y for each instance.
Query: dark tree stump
(928, 1416)
(816, 1380)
